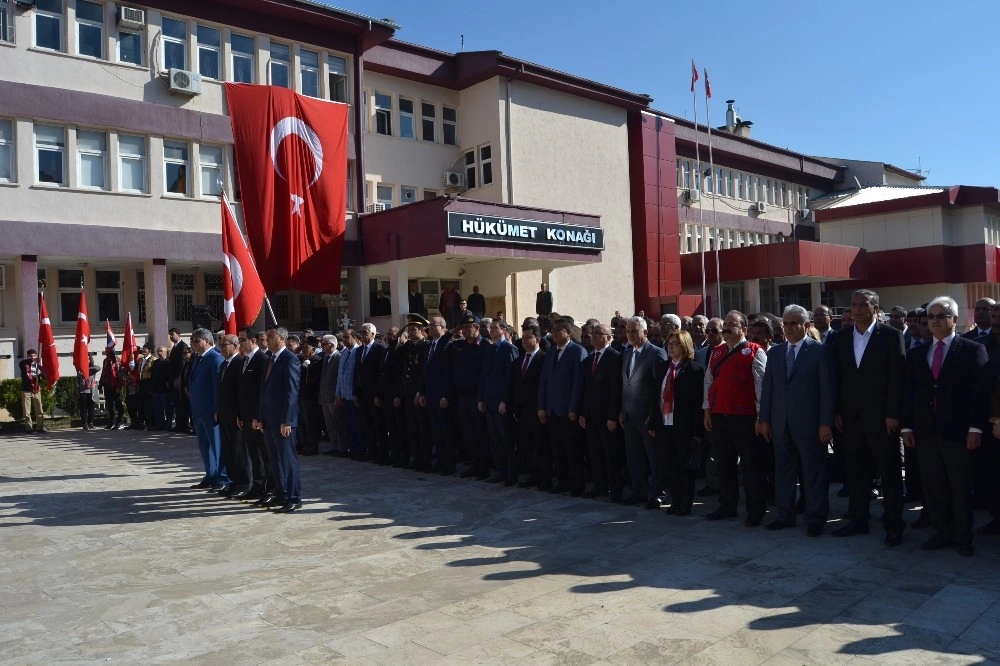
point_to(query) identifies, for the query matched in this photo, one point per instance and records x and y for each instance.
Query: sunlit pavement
(108, 557)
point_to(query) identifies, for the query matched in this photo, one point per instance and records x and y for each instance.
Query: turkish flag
(47, 345)
(81, 350)
(241, 285)
(128, 343)
(292, 157)
(708, 87)
(694, 74)
(111, 343)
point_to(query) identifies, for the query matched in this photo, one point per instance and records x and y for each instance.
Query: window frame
(80, 23)
(7, 22)
(382, 113)
(341, 81)
(471, 173)
(214, 295)
(165, 39)
(446, 124)
(250, 56)
(142, 46)
(218, 167)
(311, 72)
(103, 154)
(425, 119)
(201, 48)
(58, 18)
(485, 164)
(10, 143)
(403, 190)
(142, 159)
(186, 164)
(62, 156)
(108, 291)
(286, 63)
(69, 310)
(183, 291)
(411, 133)
(380, 199)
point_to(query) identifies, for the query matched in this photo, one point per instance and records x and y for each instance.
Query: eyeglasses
(939, 316)
(712, 331)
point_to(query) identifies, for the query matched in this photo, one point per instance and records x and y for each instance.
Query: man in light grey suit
(639, 387)
(796, 414)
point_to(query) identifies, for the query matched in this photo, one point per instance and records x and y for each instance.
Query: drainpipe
(514, 314)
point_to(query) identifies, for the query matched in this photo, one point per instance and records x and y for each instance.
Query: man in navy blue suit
(436, 394)
(558, 404)
(496, 400)
(278, 417)
(203, 384)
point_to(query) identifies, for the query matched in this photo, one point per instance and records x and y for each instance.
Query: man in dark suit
(981, 317)
(466, 370)
(945, 410)
(986, 462)
(476, 303)
(416, 299)
(639, 363)
(328, 396)
(393, 416)
(543, 301)
(310, 412)
(496, 401)
(227, 413)
(253, 449)
(278, 417)
(436, 394)
(532, 446)
(558, 405)
(600, 405)
(869, 364)
(796, 414)
(368, 365)
(175, 365)
(416, 440)
(203, 384)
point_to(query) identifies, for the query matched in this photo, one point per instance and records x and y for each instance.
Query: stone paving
(107, 556)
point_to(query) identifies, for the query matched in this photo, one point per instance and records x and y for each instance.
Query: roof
(884, 199)
(384, 22)
(878, 194)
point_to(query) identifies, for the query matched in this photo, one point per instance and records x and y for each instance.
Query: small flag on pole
(112, 343)
(81, 349)
(694, 74)
(47, 345)
(128, 344)
(708, 86)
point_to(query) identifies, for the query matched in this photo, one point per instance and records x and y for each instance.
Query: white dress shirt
(861, 341)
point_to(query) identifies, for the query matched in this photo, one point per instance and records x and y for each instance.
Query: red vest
(732, 390)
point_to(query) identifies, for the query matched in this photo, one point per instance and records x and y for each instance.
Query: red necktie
(938, 359)
(597, 359)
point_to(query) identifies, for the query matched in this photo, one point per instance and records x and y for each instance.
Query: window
(430, 194)
(279, 65)
(6, 22)
(89, 29)
(132, 163)
(383, 114)
(213, 294)
(486, 164)
(309, 72)
(92, 159)
(183, 286)
(211, 171)
(48, 24)
(306, 304)
(784, 195)
(768, 191)
(428, 114)
(279, 303)
(719, 185)
(470, 169)
(756, 189)
(130, 47)
(243, 50)
(108, 295)
(687, 173)
(209, 52)
(709, 181)
(140, 286)
(798, 198)
(406, 126)
(338, 78)
(6, 151)
(739, 185)
(175, 163)
(50, 151)
(407, 195)
(70, 283)
(174, 35)
(383, 195)
(449, 126)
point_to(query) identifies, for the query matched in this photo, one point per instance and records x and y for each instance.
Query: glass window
(309, 72)
(211, 171)
(470, 169)
(175, 163)
(449, 126)
(174, 34)
(338, 78)
(383, 195)
(383, 114)
(430, 194)
(140, 286)
(89, 28)
(407, 195)
(756, 188)
(739, 185)
(428, 113)
(243, 50)
(108, 295)
(70, 282)
(48, 24)
(209, 52)
(687, 174)
(50, 149)
(784, 195)
(183, 287)
(406, 128)
(709, 181)
(486, 164)
(213, 294)
(130, 47)
(6, 22)
(132, 162)
(92, 158)
(6, 151)
(279, 65)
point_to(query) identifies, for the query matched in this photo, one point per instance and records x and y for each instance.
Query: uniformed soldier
(467, 364)
(414, 439)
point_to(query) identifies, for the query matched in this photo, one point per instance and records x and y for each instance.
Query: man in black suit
(366, 393)
(416, 299)
(227, 413)
(981, 316)
(437, 396)
(278, 417)
(945, 410)
(601, 402)
(532, 446)
(986, 465)
(251, 445)
(558, 402)
(310, 412)
(476, 303)
(543, 301)
(639, 363)
(496, 402)
(175, 364)
(869, 363)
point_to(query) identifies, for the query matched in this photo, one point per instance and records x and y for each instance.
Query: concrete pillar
(157, 312)
(752, 288)
(398, 285)
(815, 295)
(357, 292)
(27, 324)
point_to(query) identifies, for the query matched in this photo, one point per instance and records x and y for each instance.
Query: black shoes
(289, 507)
(634, 499)
(921, 522)
(893, 539)
(936, 542)
(594, 493)
(719, 514)
(850, 529)
(776, 525)
(814, 529)
(966, 551)
(651, 504)
(204, 485)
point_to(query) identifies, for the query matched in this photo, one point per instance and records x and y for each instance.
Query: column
(157, 317)
(27, 324)
(399, 286)
(357, 291)
(752, 288)
(815, 295)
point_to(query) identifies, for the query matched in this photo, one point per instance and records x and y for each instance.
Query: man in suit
(496, 401)
(175, 364)
(227, 414)
(328, 395)
(449, 304)
(532, 446)
(981, 316)
(476, 302)
(368, 365)
(467, 355)
(543, 301)
(278, 417)
(415, 432)
(945, 410)
(390, 374)
(796, 415)
(436, 394)
(203, 384)
(821, 322)
(986, 462)
(416, 299)
(639, 362)
(558, 406)
(600, 405)
(252, 448)
(869, 363)
(310, 412)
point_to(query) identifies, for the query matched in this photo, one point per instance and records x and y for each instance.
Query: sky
(908, 82)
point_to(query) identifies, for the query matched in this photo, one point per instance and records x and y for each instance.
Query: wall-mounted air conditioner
(454, 179)
(805, 215)
(693, 196)
(184, 82)
(760, 207)
(131, 17)
(376, 208)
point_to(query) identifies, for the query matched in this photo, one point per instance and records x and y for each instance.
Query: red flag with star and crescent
(81, 348)
(241, 286)
(129, 346)
(47, 345)
(292, 157)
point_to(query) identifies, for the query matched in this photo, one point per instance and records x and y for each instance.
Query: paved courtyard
(107, 556)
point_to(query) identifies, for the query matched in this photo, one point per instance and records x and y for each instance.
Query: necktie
(938, 359)
(558, 355)
(631, 361)
(431, 352)
(270, 366)
(524, 366)
(790, 361)
(364, 352)
(225, 366)
(597, 359)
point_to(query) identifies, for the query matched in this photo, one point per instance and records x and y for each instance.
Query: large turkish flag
(241, 286)
(291, 152)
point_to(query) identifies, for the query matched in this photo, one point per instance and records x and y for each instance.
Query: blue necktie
(790, 361)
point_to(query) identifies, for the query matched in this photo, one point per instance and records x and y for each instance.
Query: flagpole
(715, 216)
(267, 301)
(695, 181)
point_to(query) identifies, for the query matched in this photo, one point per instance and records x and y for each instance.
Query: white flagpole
(267, 301)
(695, 180)
(715, 217)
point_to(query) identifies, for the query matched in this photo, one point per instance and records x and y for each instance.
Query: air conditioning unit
(3, 278)
(693, 196)
(805, 214)
(131, 17)
(454, 179)
(407, 196)
(376, 208)
(184, 82)
(760, 207)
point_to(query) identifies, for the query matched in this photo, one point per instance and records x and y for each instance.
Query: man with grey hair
(698, 325)
(278, 416)
(203, 385)
(639, 363)
(368, 366)
(668, 324)
(227, 416)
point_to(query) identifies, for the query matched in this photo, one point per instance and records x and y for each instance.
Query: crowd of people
(634, 411)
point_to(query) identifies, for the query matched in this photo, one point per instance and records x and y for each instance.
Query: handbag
(697, 457)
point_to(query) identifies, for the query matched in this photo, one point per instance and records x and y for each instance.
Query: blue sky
(902, 81)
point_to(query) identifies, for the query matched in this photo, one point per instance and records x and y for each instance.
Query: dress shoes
(468, 473)
(991, 528)
(719, 514)
(814, 529)
(707, 491)
(683, 511)
(633, 499)
(239, 494)
(776, 525)
(274, 503)
(217, 488)
(203, 485)
(615, 497)
(966, 551)
(289, 507)
(253, 495)
(482, 476)
(850, 529)
(651, 504)
(496, 479)
(921, 522)
(510, 481)
(227, 491)
(936, 542)
(559, 489)
(893, 539)
(268, 499)
(753, 521)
